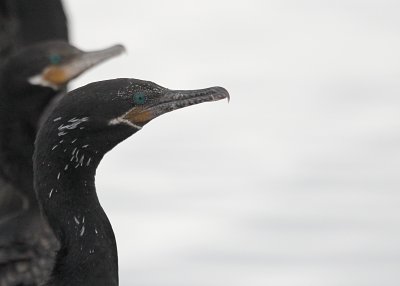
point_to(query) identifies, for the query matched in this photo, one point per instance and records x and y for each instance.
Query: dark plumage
(85, 125)
(39, 21)
(22, 23)
(26, 22)
(29, 80)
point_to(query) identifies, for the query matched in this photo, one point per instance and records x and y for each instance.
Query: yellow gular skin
(139, 116)
(55, 75)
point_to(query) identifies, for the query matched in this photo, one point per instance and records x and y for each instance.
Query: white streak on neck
(82, 230)
(121, 120)
(39, 80)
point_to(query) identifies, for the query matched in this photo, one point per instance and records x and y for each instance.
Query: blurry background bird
(25, 22)
(34, 72)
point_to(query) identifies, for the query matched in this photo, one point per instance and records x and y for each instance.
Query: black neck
(68, 151)
(67, 193)
(64, 170)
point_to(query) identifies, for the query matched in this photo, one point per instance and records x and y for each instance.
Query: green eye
(139, 98)
(55, 59)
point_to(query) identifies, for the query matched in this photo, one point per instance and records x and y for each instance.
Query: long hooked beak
(174, 99)
(56, 76)
(87, 60)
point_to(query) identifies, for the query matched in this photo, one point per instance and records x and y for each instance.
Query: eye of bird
(139, 98)
(55, 59)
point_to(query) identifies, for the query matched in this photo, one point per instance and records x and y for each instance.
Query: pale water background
(296, 181)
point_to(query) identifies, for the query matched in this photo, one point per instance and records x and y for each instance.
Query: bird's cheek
(55, 75)
(139, 116)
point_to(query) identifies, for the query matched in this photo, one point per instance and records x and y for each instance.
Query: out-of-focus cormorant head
(96, 117)
(49, 65)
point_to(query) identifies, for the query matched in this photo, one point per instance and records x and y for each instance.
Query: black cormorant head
(85, 124)
(49, 65)
(94, 118)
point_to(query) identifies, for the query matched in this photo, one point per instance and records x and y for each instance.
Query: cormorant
(85, 125)
(29, 80)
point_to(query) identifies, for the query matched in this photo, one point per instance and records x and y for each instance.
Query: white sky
(296, 181)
